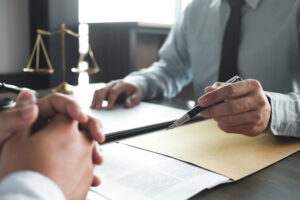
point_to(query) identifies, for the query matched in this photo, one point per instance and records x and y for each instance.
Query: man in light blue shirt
(268, 58)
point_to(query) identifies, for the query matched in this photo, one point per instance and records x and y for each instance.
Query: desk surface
(278, 181)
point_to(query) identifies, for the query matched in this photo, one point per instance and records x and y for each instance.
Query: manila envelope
(205, 145)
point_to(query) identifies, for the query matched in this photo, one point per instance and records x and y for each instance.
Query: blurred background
(124, 35)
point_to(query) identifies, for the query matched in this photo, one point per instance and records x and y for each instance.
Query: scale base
(64, 88)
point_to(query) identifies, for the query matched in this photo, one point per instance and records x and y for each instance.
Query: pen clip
(232, 80)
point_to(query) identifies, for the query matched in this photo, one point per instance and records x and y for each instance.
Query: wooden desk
(279, 181)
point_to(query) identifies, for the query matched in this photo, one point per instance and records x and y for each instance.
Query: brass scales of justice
(64, 87)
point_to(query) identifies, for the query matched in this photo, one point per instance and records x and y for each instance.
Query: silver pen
(197, 109)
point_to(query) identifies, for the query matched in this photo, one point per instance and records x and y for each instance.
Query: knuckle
(261, 101)
(253, 131)
(226, 129)
(230, 90)
(230, 120)
(258, 117)
(113, 91)
(112, 83)
(99, 93)
(233, 107)
(255, 84)
(250, 134)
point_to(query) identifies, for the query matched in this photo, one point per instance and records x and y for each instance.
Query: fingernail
(27, 112)
(215, 85)
(99, 150)
(98, 107)
(128, 102)
(26, 96)
(102, 134)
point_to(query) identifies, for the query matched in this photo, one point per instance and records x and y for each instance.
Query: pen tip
(171, 126)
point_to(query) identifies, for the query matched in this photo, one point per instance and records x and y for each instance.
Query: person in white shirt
(264, 50)
(48, 149)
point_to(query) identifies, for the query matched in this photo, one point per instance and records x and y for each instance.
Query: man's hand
(115, 89)
(59, 150)
(55, 104)
(22, 115)
(245, 109)
(27, 111)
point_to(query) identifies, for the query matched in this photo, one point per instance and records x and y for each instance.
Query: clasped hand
(63, 147)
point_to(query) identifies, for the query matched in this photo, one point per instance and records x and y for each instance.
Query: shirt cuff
(285, 114)
(28, 185)
(138, 81)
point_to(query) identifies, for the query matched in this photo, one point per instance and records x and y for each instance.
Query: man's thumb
(17, 118)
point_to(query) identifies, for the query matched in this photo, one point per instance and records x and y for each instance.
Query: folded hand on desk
(53, 137)
(245, 109)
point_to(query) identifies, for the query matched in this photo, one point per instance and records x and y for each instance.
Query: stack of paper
(131, 173)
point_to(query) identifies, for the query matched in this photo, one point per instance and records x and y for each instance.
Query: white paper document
(131, 173)
(143, 115)
(120, 118)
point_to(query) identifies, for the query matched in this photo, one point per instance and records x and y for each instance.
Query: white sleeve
(285, 117)
(29, 185)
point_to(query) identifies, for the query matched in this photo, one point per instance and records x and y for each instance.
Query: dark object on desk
(146, 129)
(6, 103)
(15, 89)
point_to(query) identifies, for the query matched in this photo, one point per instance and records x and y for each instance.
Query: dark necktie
(231, 40)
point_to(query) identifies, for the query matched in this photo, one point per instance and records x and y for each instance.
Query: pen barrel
(197, 109)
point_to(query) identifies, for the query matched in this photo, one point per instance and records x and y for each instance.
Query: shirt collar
(252, 3)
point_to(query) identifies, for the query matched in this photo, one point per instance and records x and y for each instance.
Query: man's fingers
(94, 128)
(18, 118)
(97, 156)
(217, 84)
(101, 94)
(114, 93)
(133, 100)
(98, 98)
(25, 98)
(251, 117)
(60, 104)
(247, 129)
(209, 89)
(96, 181)
(230, 91)
(61, 127)
(232, 106)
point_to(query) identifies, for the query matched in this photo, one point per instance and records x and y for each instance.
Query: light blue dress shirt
(269, 53)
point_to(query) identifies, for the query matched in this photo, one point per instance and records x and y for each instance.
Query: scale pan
(89, 70)
(40, 70)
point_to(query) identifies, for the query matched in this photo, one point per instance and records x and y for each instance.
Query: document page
(143, 115)
(131, 173)
(121, 119)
